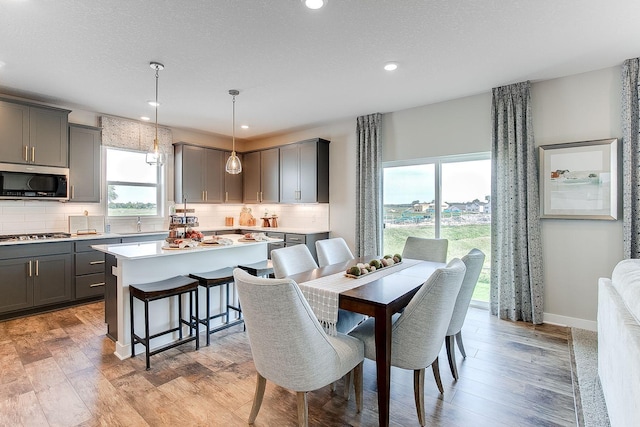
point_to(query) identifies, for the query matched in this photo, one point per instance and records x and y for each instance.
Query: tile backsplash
(28, 216)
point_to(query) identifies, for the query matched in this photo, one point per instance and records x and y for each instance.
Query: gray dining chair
(332, 251)
(426, 249)
(296, 259)
(418, 333)
(292, 350)
(473, 261)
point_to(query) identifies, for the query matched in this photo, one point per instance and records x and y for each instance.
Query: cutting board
(86, 224)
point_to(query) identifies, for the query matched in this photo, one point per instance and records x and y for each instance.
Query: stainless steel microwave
(31, 182)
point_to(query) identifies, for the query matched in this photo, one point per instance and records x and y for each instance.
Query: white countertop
(159, 248)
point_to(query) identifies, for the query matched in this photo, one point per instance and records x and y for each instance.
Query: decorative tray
(353, 276)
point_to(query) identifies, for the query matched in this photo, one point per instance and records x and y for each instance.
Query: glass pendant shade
(155, 157)
(233, 165)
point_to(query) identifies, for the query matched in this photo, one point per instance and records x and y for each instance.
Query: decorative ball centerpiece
(361, 269)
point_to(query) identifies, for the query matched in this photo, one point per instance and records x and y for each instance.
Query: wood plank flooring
(58, 369)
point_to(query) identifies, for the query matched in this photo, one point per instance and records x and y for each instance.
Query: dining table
(384, 294)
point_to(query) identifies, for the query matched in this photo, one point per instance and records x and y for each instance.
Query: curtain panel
(630, 158)
(516, 252)
(368, 185)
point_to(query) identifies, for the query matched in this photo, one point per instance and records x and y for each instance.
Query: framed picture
(579, 180)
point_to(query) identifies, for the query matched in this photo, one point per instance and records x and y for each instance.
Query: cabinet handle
(95, 285)
(26, 153)
(295, 239)
(261, 197)
(206, 195)
(30, 272)
(258, 196)
(226, 196)
(33, 157)
(203, 195)
(73, 191)
(96, 262)
(37, 268)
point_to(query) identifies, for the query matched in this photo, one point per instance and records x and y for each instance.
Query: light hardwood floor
(58, 369)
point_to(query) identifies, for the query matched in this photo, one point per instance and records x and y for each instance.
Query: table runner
(322, 294)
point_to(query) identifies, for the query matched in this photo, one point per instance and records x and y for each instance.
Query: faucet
(139, 224)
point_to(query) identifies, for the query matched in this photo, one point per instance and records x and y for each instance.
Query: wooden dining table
(380, 299)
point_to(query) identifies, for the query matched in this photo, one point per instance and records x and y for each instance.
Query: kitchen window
(444, 197)
(134, 188)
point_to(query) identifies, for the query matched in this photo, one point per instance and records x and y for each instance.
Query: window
(133, 186)
(446, 197)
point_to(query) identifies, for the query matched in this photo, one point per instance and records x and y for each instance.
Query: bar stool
(259, 269)
(147, 292)
(208, 280)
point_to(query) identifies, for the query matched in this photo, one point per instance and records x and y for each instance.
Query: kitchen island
(145, 262)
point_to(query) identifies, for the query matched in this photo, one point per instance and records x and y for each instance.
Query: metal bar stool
(259, 269)
(208, 280)
(146, 292)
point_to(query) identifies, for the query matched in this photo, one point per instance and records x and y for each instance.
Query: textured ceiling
(295, 67)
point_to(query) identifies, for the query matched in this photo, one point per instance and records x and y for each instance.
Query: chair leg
(460, 346)
(418, 393)
(257, 398)
(357, 381)
(451, 355)
(333, 386)
(436, 375)
(347, 385)
(303, 412)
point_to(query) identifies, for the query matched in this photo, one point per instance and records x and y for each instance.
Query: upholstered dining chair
(473, 261)
(296, 259)
(332, 251)
(292, 350)
(426, 249)
(418, 332)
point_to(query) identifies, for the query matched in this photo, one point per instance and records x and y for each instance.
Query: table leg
(383, 364)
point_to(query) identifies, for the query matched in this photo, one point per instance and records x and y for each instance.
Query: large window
(446, 197)
(133, 186)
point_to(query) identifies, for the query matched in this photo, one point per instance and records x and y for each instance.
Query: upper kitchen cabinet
(84, 163)
(198, 174)
(304, 172)
(232, 183)
(33, 134)
(261, 176)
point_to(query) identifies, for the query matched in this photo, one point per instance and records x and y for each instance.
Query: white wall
(575, 108)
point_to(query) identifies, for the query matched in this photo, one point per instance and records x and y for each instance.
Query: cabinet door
(193, 164)
(289, 173)
(214, 180)
(84, 164)
(251, 172)
(14, 132)
(233, 183)
(270, 175)
(51, 279)
(309, 176)
(16, 287)
(48, 137)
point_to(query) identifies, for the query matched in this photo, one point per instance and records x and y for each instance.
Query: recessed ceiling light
(153, 103)
(245, 126)
(314, 4)
(390, 66)
(146, 119)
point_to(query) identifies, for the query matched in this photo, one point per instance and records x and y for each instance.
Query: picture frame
(579, 180)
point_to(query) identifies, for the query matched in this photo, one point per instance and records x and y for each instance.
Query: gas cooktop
(38, 236)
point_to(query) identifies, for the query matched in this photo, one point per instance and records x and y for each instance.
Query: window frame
(160, 186)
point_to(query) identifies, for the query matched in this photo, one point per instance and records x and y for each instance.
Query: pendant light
(233, 162)
(155, 157)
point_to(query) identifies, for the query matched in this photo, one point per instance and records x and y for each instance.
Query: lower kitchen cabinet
(90, 268)
(35, 275)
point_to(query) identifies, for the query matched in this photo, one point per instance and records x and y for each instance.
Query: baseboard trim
(573, 322)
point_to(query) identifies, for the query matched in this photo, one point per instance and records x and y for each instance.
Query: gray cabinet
(291, 239)
(90, 268)
(84, 163)
(261, 171)
(304, 172)
(198, 174)
(32, 134)
(34, 275)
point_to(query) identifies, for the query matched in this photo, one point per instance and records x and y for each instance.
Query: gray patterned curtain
(368, 185)
(516, 251)
(630, 159)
